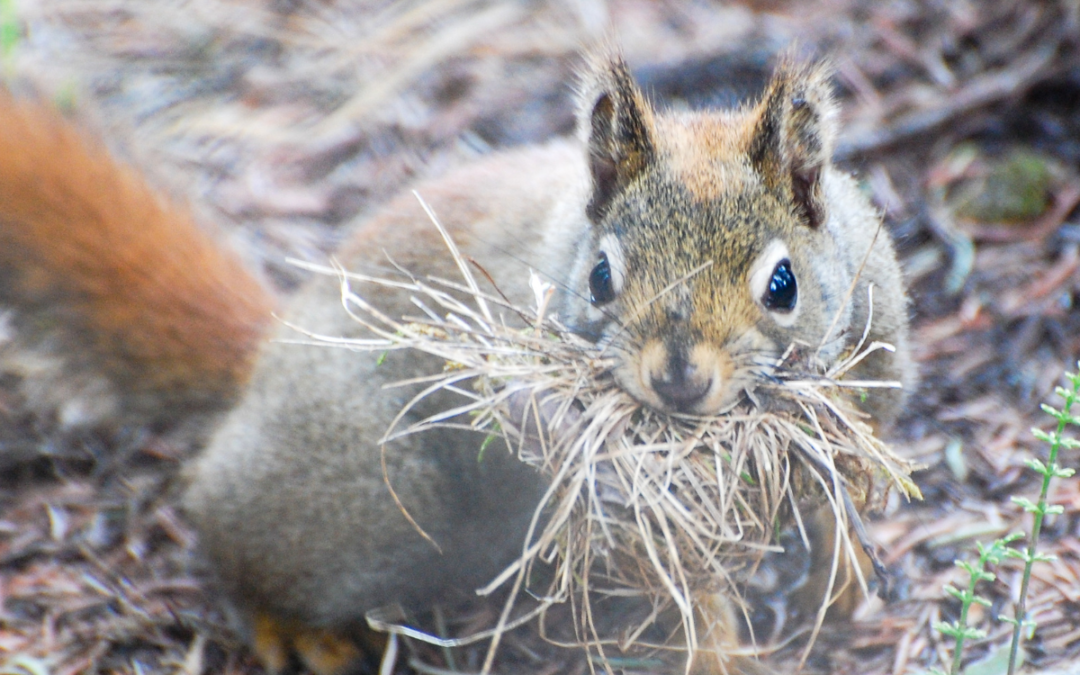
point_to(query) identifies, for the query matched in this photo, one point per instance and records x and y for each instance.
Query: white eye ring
(612, 250)
(610, 246)
(761, 273)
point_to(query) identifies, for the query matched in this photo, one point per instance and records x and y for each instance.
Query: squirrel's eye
(782, 291)
(600, 283)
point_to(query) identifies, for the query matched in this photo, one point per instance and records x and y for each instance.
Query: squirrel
(696, 245)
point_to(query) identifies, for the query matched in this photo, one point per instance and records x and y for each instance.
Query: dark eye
(782, 291)
(600, 285)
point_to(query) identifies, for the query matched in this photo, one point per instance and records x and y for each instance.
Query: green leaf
(1052, 411)
(1010, 538)
(1026, 504)
(1027, 623)
(1045, 436)
(1036, 465)
(993, 556)
(967, 566)
(487, 441)
(948, 629)
(974, 633)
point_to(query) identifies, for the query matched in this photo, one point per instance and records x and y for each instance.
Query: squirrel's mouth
(702, 380)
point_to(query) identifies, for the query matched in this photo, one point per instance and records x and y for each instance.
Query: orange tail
(125, 284)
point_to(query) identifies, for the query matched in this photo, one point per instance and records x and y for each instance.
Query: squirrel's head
(710, 250)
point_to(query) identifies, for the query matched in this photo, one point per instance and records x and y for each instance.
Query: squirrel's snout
(680, 386)
(674, 380)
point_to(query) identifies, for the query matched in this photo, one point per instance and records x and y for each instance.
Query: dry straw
(675, 508)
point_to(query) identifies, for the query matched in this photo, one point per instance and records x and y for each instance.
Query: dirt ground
(283, 121)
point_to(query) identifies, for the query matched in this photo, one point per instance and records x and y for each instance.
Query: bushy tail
(106, 272)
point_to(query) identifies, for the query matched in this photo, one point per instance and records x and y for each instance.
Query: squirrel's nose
(680, 386)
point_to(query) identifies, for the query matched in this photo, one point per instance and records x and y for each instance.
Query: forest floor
(282, 121)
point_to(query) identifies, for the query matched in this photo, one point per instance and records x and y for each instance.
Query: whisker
(558, 283)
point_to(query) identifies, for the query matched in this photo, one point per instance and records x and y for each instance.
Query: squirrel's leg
(327, 652)
(277, 642)
(271, 643)
(846, 592)
(788, 592)
(718, 641)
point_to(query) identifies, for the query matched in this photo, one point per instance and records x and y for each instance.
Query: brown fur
(289, 496)
(691, 221)
(145, 297)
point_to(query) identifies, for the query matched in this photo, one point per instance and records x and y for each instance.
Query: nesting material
(675, 508)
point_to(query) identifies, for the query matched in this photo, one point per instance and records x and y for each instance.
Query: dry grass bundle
(673, 508)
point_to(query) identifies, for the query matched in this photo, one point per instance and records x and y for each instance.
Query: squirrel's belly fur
(697, 246)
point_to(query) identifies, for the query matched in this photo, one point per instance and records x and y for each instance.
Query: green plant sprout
(1041, 509)
(999, 548)
(959, 630)
(494, 433)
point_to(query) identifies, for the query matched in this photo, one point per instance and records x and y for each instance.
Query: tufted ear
(618, 124)
(794, 136)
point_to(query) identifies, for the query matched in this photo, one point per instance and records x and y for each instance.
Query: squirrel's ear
(618, 124)
(794, 138)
